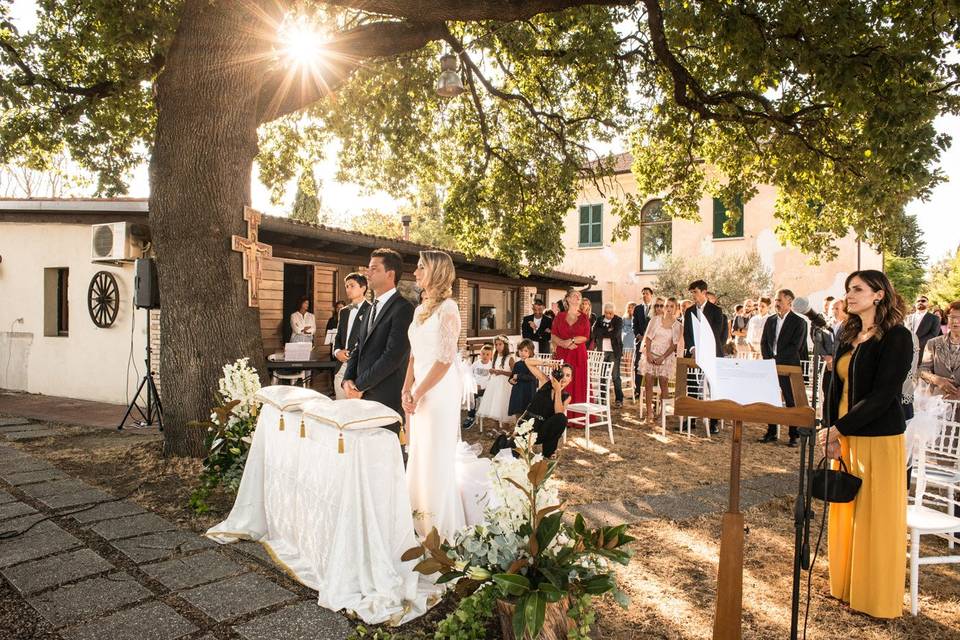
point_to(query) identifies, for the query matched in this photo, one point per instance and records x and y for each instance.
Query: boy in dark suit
(703, 309)
(349, 326)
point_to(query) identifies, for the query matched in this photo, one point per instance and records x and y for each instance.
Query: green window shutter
(597, 234)
(584, 225)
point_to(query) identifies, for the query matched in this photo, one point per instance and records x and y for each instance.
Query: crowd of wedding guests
(895, 345)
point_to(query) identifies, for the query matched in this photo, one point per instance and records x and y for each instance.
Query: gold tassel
(253, 410)
(303, 429)
(281, 422)
(403, 436)
(340, 443)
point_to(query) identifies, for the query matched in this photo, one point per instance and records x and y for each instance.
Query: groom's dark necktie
(373, 315)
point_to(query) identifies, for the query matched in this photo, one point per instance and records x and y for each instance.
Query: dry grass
(671, 579)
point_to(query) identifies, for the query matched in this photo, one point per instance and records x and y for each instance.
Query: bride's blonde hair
(439, 275)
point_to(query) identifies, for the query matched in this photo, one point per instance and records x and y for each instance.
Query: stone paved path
(96, 568)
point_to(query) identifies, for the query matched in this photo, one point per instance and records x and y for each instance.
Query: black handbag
(834, 485)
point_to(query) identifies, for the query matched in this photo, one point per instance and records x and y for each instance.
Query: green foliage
(87, 85)
(906, 274)
(471, 619)
(944, 283)
(828, 102)
(733, 277)
(378, 223)
(802, 96)
(228, 445)
(306, 204)
(908, 239)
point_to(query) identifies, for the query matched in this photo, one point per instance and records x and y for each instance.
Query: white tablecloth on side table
(339, 522)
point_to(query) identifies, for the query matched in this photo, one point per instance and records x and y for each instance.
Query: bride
(432, 394)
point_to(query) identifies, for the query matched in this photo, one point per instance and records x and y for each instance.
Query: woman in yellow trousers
(867, 538)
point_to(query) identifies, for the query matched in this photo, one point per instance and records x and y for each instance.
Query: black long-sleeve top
(878, 368)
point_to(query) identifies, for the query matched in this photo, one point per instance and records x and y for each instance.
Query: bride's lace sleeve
(449, 331)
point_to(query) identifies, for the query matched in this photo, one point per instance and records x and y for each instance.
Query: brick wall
(461, 294)
(527, 294)
(155, 348)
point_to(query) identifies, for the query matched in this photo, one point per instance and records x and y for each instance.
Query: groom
(378, 363)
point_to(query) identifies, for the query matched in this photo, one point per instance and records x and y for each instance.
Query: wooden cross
(252, 250)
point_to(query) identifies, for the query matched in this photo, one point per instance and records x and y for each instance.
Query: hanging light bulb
(449, 84)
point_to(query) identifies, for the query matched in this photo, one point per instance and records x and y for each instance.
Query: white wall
(90, 363)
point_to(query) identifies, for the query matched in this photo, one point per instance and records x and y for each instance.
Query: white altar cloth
(338, 522)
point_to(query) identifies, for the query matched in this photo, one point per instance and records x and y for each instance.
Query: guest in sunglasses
(660, 352)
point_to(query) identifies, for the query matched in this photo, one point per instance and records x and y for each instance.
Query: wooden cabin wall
(271, 305)
(324, 296)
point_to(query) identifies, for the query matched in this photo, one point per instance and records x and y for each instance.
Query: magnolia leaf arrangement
(545, 560)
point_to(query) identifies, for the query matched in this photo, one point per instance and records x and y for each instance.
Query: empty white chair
(599, 381)
(932, 512)
(627, 379)
(292, 376)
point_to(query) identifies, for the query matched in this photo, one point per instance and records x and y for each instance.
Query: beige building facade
(623, 267)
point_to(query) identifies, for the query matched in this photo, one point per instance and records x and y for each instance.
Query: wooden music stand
(727, 623)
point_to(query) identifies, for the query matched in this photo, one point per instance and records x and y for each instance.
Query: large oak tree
(833, 103)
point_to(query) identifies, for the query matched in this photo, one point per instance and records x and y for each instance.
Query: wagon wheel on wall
(103, 299)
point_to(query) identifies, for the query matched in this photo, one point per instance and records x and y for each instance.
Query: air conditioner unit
(116, 241)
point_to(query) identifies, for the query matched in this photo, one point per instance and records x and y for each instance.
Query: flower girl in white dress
(495, 402)
(440, 470)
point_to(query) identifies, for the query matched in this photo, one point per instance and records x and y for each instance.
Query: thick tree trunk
(206, 141)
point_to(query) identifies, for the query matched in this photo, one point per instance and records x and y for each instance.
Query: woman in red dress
(569, 334)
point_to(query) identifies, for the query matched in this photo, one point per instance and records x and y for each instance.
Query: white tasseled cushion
(289, 398)
(353, 413)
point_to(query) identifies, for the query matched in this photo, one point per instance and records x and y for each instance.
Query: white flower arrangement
(240, 382)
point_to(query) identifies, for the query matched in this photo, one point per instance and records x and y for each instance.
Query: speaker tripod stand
(152, 410)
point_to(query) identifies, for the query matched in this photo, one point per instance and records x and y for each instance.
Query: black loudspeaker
(146, 289)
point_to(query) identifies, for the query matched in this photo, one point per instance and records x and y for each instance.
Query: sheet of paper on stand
(293, 351)
(330, 336)
(740, 380)
(746, 381)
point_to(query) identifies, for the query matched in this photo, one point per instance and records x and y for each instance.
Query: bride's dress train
(447, 480)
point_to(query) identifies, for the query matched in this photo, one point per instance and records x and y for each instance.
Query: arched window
(656, 236)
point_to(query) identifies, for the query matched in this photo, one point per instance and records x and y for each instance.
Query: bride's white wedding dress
(445, 478)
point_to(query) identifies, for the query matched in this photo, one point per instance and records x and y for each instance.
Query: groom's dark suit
(378, 363)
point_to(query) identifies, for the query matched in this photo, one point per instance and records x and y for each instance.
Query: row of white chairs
(935, 505)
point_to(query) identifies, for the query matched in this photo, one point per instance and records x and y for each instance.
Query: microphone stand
(802, 513)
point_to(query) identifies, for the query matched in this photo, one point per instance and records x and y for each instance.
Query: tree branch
(455, 10)
(286, 90)
(102, 89)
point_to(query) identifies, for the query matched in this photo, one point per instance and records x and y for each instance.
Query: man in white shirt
(349, 325)
(755, 325)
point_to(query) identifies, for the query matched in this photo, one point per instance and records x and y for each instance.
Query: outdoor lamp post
(449, 84)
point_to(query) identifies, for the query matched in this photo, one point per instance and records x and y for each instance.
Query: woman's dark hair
(301, 301)
(562, 304)
(890, 308)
